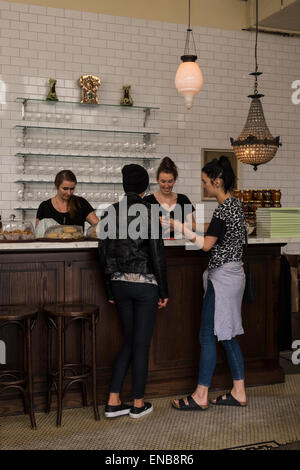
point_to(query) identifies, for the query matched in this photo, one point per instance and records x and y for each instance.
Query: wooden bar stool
(60, 316)
(23, 317)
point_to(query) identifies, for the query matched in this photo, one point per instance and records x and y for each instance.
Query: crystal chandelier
(255, 145)
(188, 78)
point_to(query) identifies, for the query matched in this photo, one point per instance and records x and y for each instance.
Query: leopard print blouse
(228, 224)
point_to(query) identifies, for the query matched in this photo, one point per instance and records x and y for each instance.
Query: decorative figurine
(126, 100)
(89, 85)
(52, 93)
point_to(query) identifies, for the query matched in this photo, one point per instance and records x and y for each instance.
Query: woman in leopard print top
(224, 283)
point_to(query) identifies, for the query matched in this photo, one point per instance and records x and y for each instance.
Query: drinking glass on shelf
(97, 196)
(28, 116)
(50, 170)
(20, 194)
(29, 195)
(49, 142)
(68, 144)
(67, 117)
(20, 169)
(108, 146)
(109, 173)
(102, 170)
(126, 146)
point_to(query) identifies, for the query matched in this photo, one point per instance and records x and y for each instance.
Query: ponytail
(221, 168)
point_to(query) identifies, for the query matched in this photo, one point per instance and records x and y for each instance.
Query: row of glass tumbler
(27, 197)
(96, 170)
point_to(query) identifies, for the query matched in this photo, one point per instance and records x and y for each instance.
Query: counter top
(37, 245)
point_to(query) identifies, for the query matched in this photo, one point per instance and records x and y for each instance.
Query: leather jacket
(119, 252)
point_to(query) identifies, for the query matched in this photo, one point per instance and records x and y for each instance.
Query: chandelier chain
(189, 34)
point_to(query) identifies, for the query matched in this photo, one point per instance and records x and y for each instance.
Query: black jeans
(137, 305)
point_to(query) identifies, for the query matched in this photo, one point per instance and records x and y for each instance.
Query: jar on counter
(276, 204)
(267, 194)
(247, 195)
(276, 195)
(257, 194)
(238, 193)
(268, 204)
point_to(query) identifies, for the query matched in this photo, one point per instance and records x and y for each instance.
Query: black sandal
(192, 405)
(228, 401)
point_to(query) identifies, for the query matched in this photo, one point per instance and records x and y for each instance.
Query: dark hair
(167, 166)
(68, 175)
(221, 168)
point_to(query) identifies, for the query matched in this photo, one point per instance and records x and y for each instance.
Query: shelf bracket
(23, 107)
(147, 114)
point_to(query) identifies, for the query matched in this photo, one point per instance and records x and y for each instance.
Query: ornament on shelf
(126, 100)
(89, 88)
(52, 93)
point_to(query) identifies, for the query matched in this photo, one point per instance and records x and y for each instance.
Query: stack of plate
(278, 222)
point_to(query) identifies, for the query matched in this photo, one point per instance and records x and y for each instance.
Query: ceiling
(286, 19)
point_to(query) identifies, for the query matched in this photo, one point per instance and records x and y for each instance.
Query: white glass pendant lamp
(188, 78)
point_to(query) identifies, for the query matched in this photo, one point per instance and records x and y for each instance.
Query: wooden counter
(68, 273)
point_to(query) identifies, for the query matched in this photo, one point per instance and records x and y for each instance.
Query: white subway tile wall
(39, 42)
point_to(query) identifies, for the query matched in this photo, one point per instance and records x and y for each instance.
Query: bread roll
(69, 229)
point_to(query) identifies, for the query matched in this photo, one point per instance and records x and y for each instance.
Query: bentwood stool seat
(63, 375)
(20, 377)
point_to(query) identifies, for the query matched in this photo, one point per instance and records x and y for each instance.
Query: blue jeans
(208, 355)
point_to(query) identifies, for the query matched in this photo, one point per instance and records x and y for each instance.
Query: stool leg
(83, 384)
(49, 379)
(25, 369)
(59, 371)
(29, 373)
(94, 372)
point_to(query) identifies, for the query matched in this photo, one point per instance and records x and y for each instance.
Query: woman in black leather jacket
(132, 257)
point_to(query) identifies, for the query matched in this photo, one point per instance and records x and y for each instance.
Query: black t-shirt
(47, 211)
(182, 209)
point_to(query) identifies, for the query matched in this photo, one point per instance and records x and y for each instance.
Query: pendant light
(188, 78)
(255, 145)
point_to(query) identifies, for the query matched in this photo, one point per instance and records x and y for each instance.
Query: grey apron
(229, 285)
